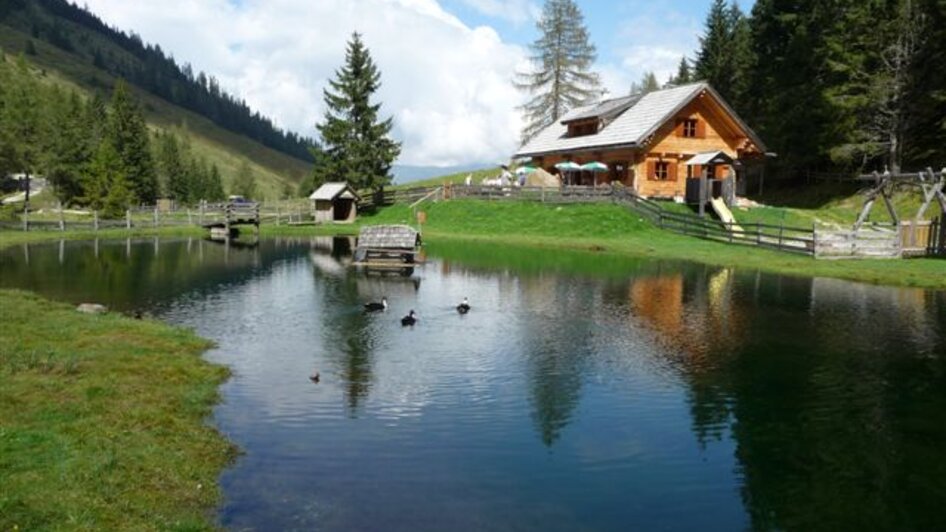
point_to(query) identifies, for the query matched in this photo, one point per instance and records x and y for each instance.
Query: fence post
(729, 224)
(200, 212)
(95, 220)
(781, 232)
(758, 234)
(26, 218)
(62, 221)
(277, 214)
(127, 218)
(189, 220)
(155, 223)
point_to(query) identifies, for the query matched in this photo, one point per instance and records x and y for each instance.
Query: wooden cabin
(335, 203)
(647, 140)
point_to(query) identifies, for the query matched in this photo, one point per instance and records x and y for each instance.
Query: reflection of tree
(350, 338)
(837, 407)
(125, 274)
(556, 353)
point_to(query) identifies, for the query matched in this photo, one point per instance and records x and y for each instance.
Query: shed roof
(330, 191)
(388, 237)
(710, 157)
(641, 118)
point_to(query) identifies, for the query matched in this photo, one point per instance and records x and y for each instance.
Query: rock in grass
(92, 308)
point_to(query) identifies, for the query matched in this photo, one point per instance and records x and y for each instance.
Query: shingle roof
(606, 108)
(388, 236)
(630, 128)
(330, 191)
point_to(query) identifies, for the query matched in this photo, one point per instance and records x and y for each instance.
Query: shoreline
(106, 421)
(638, 241)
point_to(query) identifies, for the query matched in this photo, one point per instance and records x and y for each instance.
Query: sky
(447, 66)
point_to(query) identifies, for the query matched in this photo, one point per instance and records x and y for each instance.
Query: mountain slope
(276, 171)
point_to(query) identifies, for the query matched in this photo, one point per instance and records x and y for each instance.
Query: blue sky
(447, 66)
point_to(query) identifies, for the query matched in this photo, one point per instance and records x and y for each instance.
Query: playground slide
(725, 215)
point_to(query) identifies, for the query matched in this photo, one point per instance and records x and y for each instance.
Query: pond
(583, 391)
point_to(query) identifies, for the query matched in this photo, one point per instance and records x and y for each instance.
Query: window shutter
(679, 128)
(651, 170)
(700, 129)
(672, 171)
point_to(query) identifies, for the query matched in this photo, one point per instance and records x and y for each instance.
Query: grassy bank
(600, 227)
(103, 421)
(615, 229)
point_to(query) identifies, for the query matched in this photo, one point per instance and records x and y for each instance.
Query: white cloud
(516, 11)
(447, 85)
(652, 40)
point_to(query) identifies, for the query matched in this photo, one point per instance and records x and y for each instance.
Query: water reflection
(584, 390)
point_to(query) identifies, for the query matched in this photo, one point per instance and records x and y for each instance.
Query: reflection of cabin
(646, 141)
(393, 245)
(335, 202)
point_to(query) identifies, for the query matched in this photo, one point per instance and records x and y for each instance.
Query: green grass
(616, 230)
(103, 422)
(273, 170)
(605, 228)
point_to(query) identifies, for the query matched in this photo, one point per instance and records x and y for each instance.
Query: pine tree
(683, 75)
(357, 146)
(562, 58)
(71, 147)
(172, 171)
(712, 63)
(129, 135)
(648, 83)
(105, 186)
(214, 187)
(244, 184)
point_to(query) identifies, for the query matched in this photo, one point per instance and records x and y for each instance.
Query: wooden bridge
(234, 214)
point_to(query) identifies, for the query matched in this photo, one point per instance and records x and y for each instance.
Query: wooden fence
(827, 243)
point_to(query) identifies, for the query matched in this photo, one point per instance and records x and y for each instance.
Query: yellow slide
(725, 215)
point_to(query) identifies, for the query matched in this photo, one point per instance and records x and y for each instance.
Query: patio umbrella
(568, 166)
(525, 170)
(595, 167)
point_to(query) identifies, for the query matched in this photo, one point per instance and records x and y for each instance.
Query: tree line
(80, 32)
(836, 86)
(96, 153)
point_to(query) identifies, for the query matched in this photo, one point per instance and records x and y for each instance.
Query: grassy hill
(275, 171)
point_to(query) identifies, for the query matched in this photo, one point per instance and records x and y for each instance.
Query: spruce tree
(129, 135)
(713, 63)
(244, 184)
(172, 171)
(683, 75)
(562, 58)
(213, 190)
(357, 147)
(648, 83)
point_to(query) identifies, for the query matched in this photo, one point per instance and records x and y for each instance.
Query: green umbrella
(525, 170)
(595, 167)
(568, 166)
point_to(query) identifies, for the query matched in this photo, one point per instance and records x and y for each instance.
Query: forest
(96, 153)
(842, 86)
(77, 30)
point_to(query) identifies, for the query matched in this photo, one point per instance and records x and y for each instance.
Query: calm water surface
(583, 392)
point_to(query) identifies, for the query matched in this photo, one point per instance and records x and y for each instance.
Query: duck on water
(410, 319)
(375, 306)
(463, 307)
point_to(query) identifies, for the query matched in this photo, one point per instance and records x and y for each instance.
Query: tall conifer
(561, 76)
(357, 144)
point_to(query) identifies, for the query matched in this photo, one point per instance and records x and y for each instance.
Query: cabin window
(662, 171)
(689, 128)
(582, 129)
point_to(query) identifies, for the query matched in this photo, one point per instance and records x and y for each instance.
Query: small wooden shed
(335, 202)
(381, 243)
